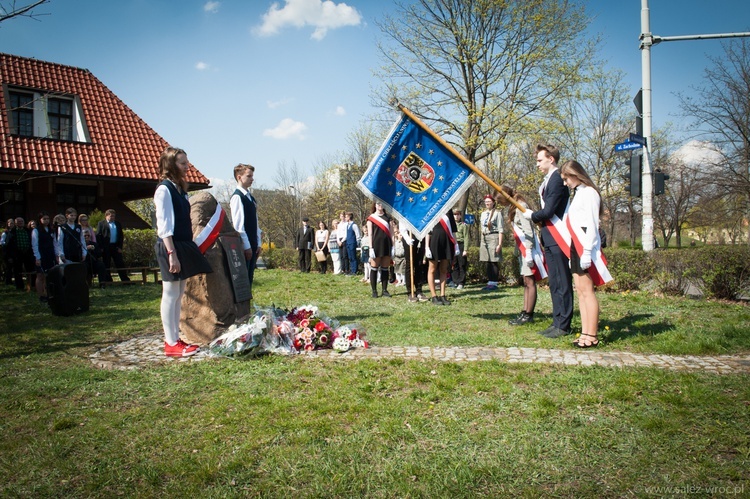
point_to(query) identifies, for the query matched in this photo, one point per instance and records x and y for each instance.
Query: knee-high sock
(373, 279)
(384, 277)
(171, 306)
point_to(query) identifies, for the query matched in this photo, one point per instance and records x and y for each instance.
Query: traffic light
(634, 162)
(659, 178)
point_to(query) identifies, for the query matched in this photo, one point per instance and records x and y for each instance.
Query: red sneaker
(180, 349)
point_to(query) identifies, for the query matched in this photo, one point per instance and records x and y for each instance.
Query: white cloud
(697, 152)
(340, 111)
(201, 66)
(287, 129)
(211, 7)
(320, 14)
(273, 104)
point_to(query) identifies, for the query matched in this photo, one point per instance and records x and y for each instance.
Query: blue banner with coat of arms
(415, 177)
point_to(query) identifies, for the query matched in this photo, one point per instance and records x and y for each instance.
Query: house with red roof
(67, 141)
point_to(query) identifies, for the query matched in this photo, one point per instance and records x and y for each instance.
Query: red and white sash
(540, 266)
(445, 222)
(560, 233)
(210, 232)
(380, 222)
(598, 271)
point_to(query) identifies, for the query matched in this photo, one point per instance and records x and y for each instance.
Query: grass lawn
(302, 427)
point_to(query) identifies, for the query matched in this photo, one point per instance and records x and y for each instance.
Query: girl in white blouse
(582, 218)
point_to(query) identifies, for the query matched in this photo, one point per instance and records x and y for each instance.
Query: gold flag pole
(465, 161)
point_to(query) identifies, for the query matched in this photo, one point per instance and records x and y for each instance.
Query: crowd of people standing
(30, 250)
(561, 242)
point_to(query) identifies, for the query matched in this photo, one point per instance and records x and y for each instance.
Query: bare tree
(9, 10)
(722, 113)
(592, 117)
(477, 71)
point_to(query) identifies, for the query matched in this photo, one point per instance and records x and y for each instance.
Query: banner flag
(416, 176)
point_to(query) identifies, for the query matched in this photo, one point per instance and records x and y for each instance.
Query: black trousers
(458, 272)
(303, 258)
(420, 268)
(560, 287)
(109, 253)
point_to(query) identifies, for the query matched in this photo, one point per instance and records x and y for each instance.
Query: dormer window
(60, 116)
(46, 115)
(22, 114)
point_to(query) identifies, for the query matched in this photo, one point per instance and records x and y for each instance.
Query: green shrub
(138, 247)
(723, 271)
(630, 268)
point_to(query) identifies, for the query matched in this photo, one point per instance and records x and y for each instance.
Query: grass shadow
(625, 327)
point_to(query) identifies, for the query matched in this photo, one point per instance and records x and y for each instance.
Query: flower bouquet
(272, 330)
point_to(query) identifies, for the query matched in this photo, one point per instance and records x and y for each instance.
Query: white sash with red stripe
(540, 266)
(598, 271)
(380, 222)
(210, 232)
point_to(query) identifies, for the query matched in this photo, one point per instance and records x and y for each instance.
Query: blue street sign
(469, 219)
(626, 146)
(638, 139)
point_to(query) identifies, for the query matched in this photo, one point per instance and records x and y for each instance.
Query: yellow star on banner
(424, 198)
(441, 177)
(403, 148)
(432, 151)
(434, 190)
(398, 194)
(390, 182)
(411, 199)
(440, 163)
(419, 146)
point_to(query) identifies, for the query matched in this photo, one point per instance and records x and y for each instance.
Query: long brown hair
(168, 167)
(573, 168)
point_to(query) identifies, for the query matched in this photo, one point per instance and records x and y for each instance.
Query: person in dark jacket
(110, 237)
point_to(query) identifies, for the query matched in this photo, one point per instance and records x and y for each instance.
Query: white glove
(372, 253)
(527, 214)
(458, 251)
(529, 262)
(428, 253)
(586, 259)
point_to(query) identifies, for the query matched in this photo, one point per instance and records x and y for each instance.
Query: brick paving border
(149, 350)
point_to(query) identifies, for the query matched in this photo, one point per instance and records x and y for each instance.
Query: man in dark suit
(554, 196)
(245, 218)
(110, 237)
(304, 243)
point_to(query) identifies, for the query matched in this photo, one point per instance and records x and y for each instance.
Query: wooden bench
(136, 274)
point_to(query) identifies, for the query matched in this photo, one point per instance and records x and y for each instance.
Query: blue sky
(269, 82)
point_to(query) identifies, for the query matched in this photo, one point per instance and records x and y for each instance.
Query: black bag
(67, 289)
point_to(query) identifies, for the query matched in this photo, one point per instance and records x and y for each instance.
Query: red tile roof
(122, 144)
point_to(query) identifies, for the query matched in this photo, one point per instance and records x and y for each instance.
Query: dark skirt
(192, 261)
(440, 245)
(575, 261)
(381, 243)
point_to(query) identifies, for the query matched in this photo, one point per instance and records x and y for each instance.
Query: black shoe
(374, 294)
(522, 319)
(444, 300)
(556, 332)
(547, 331)
(436, 300)
(386, 294)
